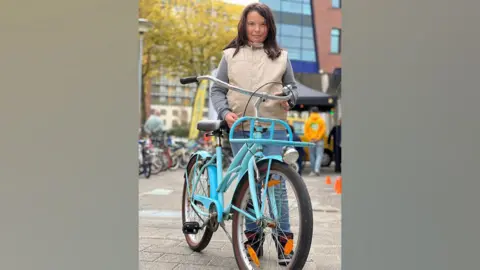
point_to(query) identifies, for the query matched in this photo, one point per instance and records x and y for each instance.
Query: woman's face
(257, 29)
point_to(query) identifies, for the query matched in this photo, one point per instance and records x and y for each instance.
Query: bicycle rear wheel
(290, 247)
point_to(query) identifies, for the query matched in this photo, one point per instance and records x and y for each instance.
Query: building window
(184, 115)
(291, 7)
(157, 100)
(307, 31)
(294, 54)
(273, 4)
(336, 3)
(290, 30)
(290, 42)
(335, 38)
(307, 43)
(307, 9)
(309, 55)
(154, 100)
(178, 91)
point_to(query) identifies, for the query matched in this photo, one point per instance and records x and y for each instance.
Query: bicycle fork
(267, 187)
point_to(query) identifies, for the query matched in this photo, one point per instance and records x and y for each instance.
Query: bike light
(290, 155)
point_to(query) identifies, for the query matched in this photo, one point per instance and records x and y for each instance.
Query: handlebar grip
(289, 91)
(188, 80)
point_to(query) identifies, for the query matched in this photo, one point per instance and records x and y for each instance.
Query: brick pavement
(162, 244)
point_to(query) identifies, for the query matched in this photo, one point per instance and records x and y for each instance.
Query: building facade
(174, 100)
(310, 30)
(295, 33)
(175, 116)
(327, 16)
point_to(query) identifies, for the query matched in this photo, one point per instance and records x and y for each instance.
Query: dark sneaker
(283, 259)
(255, 240)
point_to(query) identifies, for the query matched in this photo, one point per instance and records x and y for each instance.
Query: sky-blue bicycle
(259, 185)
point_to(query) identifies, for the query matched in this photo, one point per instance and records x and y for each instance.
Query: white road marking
(158, 191)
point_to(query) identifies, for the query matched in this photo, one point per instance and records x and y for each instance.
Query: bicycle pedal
(191, 227)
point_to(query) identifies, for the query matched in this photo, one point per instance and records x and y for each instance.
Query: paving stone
(149, 256)
(157, 266)
(203, 260)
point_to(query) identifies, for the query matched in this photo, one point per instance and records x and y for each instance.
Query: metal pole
(140, 56)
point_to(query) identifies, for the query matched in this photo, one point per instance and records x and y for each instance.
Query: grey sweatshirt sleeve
(289, 78)
(218, 93)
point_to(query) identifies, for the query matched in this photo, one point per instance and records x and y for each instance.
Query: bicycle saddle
(211, 125)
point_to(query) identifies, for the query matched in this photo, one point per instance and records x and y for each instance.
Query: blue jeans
(316, 155)
(280, 190)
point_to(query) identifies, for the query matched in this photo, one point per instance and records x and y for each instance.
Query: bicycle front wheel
(285, 233)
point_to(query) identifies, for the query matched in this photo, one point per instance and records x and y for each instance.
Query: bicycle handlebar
(188, 80)
(196, 79)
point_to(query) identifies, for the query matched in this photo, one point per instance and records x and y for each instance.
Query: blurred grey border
(411, 152)
(68, 194)
(69, 121)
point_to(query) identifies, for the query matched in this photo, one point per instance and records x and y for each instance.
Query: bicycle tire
(175, 163)
(306, 215)
(147, 170)
(207, 236)
(165, 160)
(158, 165)
(184, 161)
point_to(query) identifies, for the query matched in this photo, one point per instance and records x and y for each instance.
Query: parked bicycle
(255, 191)
(169, 157)
(144, 159)
(180, 157)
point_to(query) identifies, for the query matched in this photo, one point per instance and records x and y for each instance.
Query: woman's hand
(230, 118)
(283, 103)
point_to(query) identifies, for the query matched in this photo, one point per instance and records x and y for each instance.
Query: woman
(251, 61)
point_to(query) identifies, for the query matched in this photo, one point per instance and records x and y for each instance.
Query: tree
(187, 36)
(179, 131)
(155, 43)
(203, 29)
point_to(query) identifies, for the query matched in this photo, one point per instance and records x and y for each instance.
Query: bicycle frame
(245, 162)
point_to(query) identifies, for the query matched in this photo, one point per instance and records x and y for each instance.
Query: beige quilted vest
(250, 69)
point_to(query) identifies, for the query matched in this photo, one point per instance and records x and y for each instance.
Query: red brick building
(327, 17)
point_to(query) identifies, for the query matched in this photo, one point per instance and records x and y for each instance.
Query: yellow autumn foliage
(188, 36)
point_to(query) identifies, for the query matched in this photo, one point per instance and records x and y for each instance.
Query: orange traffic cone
(328, 181)
(338, 185)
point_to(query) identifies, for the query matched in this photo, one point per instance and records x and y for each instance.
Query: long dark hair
(270, 44)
